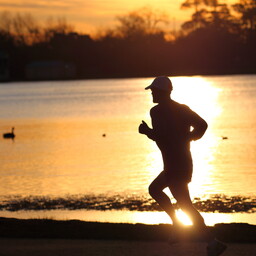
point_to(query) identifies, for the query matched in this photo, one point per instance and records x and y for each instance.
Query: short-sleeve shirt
(171, 124)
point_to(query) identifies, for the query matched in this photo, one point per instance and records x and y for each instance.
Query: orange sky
(88, 16)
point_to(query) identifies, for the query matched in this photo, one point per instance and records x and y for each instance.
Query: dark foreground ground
(65, 238)
(78, 247)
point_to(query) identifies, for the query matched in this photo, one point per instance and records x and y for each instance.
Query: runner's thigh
(159, 182)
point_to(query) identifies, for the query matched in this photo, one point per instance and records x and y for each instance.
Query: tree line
(218, 39)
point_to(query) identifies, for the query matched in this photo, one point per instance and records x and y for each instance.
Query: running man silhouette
(174, 126)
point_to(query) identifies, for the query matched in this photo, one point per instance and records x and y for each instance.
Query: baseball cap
(161, 83)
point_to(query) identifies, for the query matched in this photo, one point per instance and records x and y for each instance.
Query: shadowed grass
(75, 229)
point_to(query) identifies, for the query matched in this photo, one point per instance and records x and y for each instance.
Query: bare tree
(6, 23)
(23, 28)
(57, 26)
(144, 21)
(26, 29)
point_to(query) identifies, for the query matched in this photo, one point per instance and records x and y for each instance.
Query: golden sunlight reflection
(126, 216)
(210, 218)
(198, 93)
(202, 97)
(162, 217)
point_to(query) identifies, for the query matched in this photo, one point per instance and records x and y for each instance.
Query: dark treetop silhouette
(174, 126)
(218, 32)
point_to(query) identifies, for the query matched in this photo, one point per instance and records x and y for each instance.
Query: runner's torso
(171, 126)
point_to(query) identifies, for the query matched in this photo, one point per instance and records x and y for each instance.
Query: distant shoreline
(75, 229)
(129, 77)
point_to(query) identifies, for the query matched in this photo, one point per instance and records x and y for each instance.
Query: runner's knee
(157, 186)
(153, 190)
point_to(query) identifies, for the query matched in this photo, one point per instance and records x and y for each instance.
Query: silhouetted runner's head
(162, 83)
(161, 88)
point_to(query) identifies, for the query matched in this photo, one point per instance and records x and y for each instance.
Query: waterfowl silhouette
(9, 135)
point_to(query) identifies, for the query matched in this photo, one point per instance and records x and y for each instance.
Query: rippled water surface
(79, 138)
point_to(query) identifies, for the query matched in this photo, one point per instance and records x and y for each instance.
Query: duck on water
(9, 135)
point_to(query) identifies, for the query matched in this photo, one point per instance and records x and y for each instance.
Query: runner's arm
(199, 126)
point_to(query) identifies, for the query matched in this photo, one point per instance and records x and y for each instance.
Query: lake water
(60, 159)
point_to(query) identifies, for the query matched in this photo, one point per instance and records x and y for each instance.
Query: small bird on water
(9, 135)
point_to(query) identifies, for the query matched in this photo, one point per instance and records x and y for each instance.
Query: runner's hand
(143, 128)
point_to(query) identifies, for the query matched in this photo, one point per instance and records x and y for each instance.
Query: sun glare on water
(198, 93)
(202, 97)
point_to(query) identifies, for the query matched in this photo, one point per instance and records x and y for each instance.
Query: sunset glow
(91, 16)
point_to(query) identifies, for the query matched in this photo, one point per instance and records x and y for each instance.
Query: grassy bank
(75, 229)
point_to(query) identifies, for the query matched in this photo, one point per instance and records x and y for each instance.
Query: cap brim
(148, 87)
